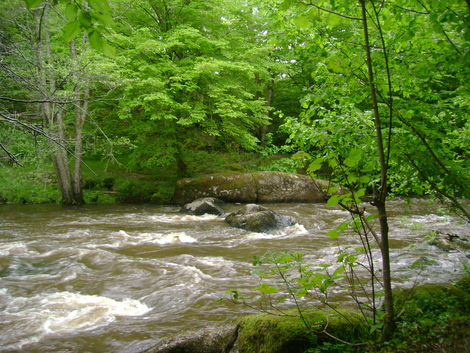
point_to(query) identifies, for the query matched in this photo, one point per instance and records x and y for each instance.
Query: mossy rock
(257, 218)
(258, 187)
(434, 318)
(432, 299)
(265, 333)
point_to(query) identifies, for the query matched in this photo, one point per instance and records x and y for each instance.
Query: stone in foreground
(258, 219)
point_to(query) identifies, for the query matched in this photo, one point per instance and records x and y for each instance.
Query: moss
(265, 333)
(432, 299)
(434, 318)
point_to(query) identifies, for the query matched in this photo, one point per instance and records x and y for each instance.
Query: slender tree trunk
(381, 192)
(269, 100)
(268, 96)
(82, 96)
(181, 167)
(52, 112)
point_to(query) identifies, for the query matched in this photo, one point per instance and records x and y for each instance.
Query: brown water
(114, 278)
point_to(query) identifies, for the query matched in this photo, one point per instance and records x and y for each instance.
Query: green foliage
(424, 108)
(34, 186)
(434, 316)
(94, 19)
(188, 82)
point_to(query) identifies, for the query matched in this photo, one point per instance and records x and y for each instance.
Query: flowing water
(114, 278)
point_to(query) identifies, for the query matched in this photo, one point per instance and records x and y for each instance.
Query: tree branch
(10, 155)
(331, 11)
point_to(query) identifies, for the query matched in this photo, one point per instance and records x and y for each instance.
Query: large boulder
(259, 187)
(278, 187)
(258, 218)
(205, 205)
(228, 187)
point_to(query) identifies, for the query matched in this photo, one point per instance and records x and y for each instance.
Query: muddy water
(113, 278)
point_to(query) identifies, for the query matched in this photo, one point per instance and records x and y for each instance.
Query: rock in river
(258, 218)
(205, 205)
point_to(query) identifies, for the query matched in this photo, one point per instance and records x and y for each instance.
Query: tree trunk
(269, 101)
(53, 115)
(82, 96)
(268, 96)
(381, 192)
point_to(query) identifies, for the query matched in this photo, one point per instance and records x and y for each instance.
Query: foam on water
(30, 319)
(175, 238)
(122, 238)
(178, 218)
(16, 249)
(287, 232)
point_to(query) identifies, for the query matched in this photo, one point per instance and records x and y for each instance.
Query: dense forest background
(115, 101)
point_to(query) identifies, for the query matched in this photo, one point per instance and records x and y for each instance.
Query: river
(115, 278)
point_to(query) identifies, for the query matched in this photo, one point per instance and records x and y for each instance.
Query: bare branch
(10, 155)
(331, 11)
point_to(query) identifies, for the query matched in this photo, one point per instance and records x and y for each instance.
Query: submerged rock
(206, 205)
(258, 218)
(449, 242)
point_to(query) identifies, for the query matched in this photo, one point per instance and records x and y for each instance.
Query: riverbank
(121, 181)
(433, 318)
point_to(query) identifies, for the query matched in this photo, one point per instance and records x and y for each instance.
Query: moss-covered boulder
(278, 187)
(228, 187)
(433, 299)
(265, 333)
(258, 218)
(211, 339)
(259, 187)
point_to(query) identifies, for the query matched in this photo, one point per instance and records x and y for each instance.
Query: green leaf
(266, 289)
(333, 190)
(108, 49)
(334, 200)
(333, 234)
(314, 166)
(99, 5)
(339, 271)
(96, 41)
(71, 31)
(103, 18)
(285, 5)
(354, 157)
(30, 4)
(85, 19)
(71, 11)
(376, 327)
(302, 22)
